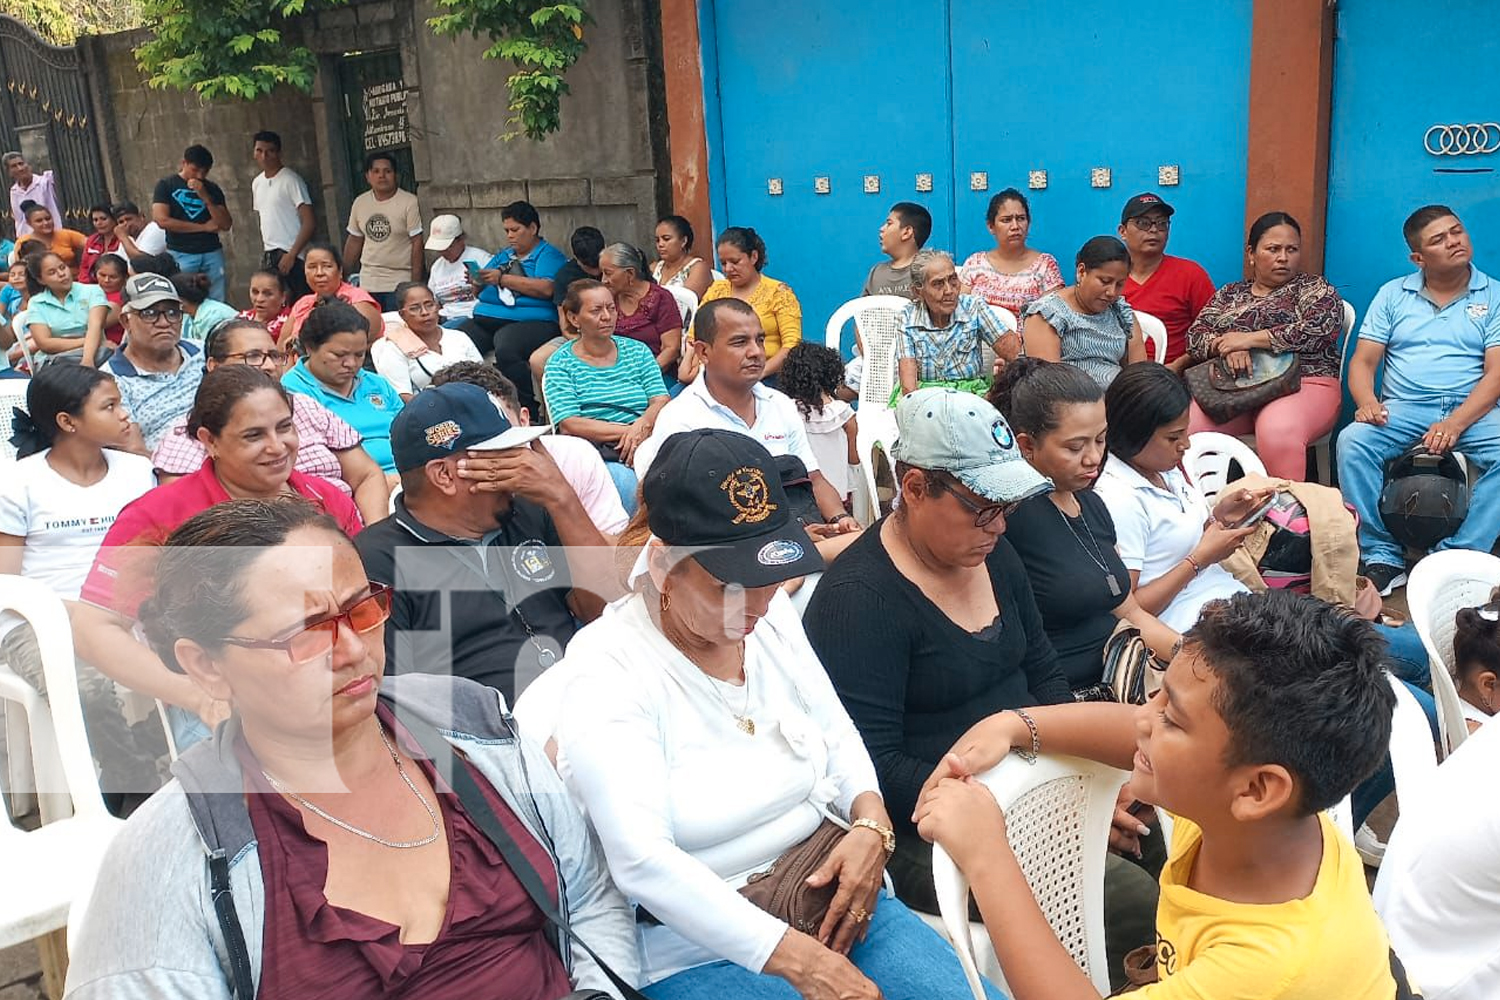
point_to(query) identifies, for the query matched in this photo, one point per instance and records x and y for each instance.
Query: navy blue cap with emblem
(447, 419)
(718, 492)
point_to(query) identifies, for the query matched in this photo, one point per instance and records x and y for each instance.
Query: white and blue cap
(944, 430)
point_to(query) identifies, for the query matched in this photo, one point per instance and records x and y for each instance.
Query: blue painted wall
(804, 88)
(1399, 67)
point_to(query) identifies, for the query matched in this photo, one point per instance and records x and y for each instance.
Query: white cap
(445, 229)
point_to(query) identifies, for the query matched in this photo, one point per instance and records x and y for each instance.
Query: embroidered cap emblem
(748, 493)
(1002, 435)
(442, 435)
(778, 553)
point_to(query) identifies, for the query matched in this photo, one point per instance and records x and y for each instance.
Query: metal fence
(47, 114)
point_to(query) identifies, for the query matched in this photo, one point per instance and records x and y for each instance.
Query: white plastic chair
(45, 870)
(12, 394)
(1412, 756)
(877, 419)
(1011, 324)
(1155, 331)
(19, 324)
(1207, 461)
(687, 303)
(1058, 813)
(878, 318)
(1440, 585)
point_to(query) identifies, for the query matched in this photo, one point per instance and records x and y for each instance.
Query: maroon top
(492, 932)
(656, 314)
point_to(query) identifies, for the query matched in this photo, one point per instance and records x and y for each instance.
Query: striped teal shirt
(618, 394)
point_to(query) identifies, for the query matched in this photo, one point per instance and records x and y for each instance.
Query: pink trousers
(1284, 428)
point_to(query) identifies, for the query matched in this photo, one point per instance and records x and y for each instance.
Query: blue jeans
(211, 264)
(1365, 448)
(901, 955)
(1407, 657)
(625, 484)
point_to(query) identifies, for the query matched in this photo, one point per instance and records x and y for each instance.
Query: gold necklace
(741, 718)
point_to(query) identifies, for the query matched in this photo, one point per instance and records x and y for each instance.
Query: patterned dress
(1011, 291)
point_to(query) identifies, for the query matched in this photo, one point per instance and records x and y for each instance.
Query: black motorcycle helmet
(1425, 497)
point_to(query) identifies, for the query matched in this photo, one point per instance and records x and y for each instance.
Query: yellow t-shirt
(779, 311)
(1328, 944)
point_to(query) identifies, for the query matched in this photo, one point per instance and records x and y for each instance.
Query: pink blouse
(1012, 291)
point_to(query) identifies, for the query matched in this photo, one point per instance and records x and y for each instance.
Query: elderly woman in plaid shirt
(944, 332)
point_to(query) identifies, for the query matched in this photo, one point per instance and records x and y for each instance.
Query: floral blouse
(1012, 291)
(1304, 315)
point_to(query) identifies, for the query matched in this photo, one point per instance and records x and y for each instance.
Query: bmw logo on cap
(1000, 430)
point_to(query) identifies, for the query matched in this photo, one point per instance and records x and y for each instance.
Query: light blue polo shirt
(369, 408)
(70, 316)
(1433, 354)
(544, 261)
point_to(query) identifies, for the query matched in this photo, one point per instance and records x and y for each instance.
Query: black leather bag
(1222, 395)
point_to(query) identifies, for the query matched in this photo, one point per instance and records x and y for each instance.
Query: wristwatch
(887, 835)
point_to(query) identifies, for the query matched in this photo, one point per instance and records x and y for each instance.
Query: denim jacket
(151, 931)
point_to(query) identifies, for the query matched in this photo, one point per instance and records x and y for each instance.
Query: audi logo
(1463, 140)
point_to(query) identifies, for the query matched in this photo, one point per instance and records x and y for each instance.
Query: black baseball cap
(718, 492)
(1143, 203)
(447, 419)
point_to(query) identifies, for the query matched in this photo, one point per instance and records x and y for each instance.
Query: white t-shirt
(778, 424)
(687, 805)
(1155, 530)
(276, 200)
(153, 239)
(64, 523)
(1438, 892)
(581, 465)
(449, 282)
(410, 375)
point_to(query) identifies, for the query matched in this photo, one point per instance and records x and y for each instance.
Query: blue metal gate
(883, 98)
(1409, 80)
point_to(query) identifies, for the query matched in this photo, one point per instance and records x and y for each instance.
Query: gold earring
(666, 602)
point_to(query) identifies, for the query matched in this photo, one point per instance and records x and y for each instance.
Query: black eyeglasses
(257, 358)
(316, 639)
(151, 315)
(984, 514)
(1148, 225)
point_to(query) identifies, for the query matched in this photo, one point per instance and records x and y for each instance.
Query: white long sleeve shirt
(686, 804)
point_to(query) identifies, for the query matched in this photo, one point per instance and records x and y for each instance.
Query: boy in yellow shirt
(1274, 708)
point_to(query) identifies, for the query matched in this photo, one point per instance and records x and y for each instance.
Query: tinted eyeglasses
(1146, 225)
(316, 639)
(984, 514)
(257, 358)
(153, 313)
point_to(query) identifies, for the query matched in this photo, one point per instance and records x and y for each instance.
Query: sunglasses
(151, 314)
(317, 639)
(984, 514)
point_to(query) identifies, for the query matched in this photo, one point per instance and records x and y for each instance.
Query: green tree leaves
(543, 41)
(239, 49)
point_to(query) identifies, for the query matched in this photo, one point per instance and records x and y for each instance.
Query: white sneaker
(1370, 847)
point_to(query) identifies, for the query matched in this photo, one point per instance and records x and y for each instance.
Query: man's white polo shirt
(777, 425)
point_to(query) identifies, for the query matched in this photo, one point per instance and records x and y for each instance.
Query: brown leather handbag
(782, 890)
(1222, 395)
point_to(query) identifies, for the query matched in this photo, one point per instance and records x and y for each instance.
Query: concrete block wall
(607, 167)
(147, 129)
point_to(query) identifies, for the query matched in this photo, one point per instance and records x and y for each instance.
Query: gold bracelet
(887, 835)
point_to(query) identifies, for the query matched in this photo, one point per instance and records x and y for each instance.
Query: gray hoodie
(150, 930)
